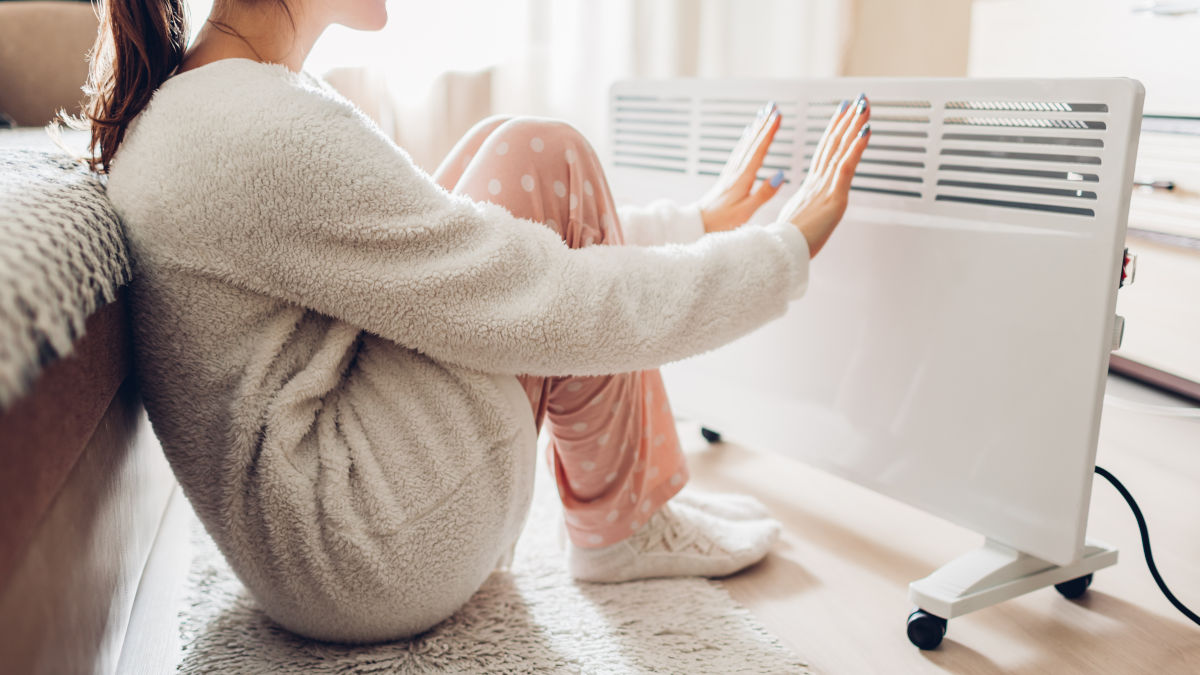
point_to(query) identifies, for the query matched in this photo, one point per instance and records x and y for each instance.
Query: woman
(348, 361)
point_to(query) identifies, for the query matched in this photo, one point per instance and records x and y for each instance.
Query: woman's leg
(613, 448)
(452, 167)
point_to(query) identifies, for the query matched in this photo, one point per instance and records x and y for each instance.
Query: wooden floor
(836, 588)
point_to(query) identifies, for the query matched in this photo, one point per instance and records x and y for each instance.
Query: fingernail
(865, 130)
(773, 105)
(862, 96)
(842, 108)
(777, 179)
(862, 105)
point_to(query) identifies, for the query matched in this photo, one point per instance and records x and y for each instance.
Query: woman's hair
(141, 42)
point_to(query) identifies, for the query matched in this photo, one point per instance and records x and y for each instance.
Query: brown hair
(141, 42)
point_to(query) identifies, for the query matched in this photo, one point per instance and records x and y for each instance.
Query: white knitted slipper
(678, 540)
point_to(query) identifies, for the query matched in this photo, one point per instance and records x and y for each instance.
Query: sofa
(93, 528)
(85, 486)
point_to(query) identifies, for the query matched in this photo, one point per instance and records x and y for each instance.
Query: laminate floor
(836, 588)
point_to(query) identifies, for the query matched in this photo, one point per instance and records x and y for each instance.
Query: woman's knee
(486, 126)
(541, 135)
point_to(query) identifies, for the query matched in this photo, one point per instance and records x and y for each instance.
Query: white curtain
(441, 65)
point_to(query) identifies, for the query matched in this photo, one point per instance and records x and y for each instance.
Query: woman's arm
(341, 222)
(732, 200)
(661, 222)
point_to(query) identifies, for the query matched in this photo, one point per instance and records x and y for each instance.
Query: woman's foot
(727, 505)
(678, 540)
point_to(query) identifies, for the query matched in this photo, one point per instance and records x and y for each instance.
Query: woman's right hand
(819, 204)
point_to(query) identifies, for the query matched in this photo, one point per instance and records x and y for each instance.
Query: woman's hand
(734, 197)
(819, 204)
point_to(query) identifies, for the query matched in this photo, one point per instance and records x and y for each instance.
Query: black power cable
(1137, 513)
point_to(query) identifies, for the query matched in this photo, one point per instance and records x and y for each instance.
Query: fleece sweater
(327, 342)
(661, 222)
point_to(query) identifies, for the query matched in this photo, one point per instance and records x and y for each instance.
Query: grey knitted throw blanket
(62, 256)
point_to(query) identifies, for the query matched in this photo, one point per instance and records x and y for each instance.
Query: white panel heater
(952, 348)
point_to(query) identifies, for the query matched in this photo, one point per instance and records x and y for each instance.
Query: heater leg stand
(990, 574)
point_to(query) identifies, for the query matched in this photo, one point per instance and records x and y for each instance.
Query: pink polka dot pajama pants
(613, 448)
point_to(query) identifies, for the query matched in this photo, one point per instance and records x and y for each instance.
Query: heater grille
(1023, 154)
(651, 132)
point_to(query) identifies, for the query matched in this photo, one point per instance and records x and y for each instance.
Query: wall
(908, 38)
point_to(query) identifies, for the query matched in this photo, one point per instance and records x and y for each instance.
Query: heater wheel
(710, 435)
(1074, 588)
(925, 630)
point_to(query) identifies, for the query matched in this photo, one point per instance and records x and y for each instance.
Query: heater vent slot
(1025, 122)
(885, 191)
(1028, 106)
(1031, 189)
(1032, 140)
(1024, 156)
(1033, 206)
(1033, 173)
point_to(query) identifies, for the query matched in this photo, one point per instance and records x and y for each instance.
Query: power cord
(1141, 521)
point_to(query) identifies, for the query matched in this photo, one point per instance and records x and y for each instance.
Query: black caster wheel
(1074, 588)
(925, 630)
(710, 435)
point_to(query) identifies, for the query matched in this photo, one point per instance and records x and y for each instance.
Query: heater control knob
(1128, 269)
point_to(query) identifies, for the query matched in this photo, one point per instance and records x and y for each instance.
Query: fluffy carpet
(531, 619)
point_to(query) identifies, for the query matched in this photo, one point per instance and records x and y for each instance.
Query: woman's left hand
(734, 197)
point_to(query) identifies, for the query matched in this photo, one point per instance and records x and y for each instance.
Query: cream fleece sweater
(661, 222)
(327, 342)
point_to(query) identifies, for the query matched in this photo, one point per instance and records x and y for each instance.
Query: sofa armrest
(82, 496)
(43, 58)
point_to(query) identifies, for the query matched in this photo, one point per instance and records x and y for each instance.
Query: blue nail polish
(862, 105)
(843, 106)
(865, 130)
(777, 179)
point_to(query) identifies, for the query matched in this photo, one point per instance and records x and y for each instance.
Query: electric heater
(952, 347)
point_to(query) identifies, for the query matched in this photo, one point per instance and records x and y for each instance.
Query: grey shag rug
(532, 619)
